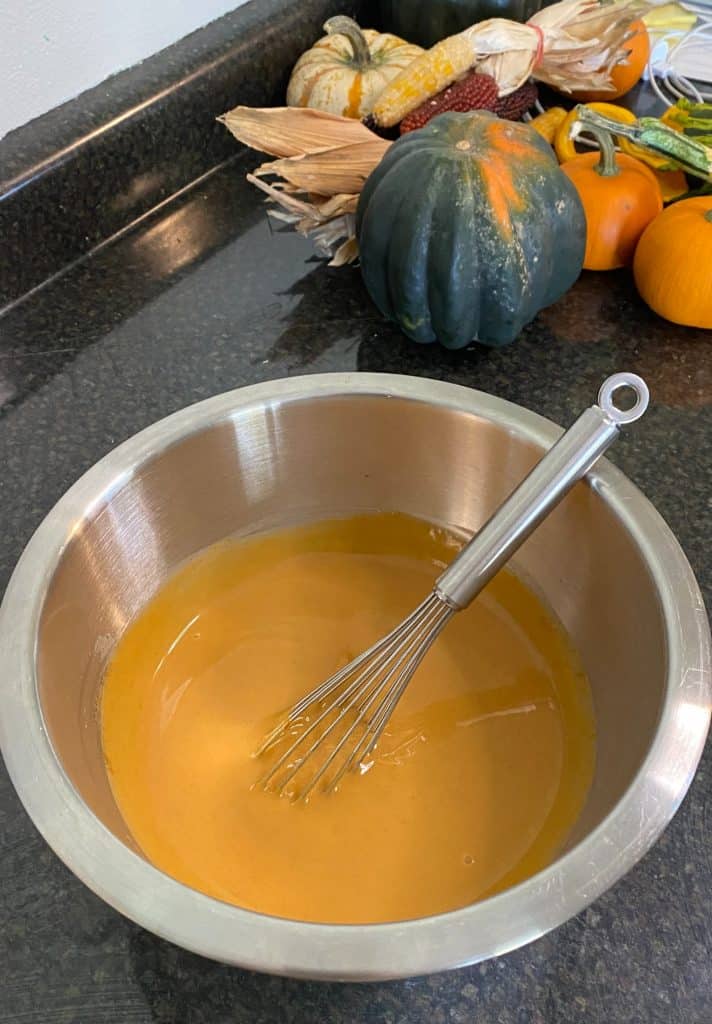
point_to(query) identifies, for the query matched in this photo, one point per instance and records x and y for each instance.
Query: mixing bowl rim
(351, 952)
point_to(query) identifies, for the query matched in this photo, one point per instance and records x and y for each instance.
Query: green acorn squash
(467, 228)
(426, 22)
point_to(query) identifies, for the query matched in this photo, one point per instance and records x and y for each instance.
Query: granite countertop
(203, 298)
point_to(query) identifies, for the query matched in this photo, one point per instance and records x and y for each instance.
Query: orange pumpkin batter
(477, 782)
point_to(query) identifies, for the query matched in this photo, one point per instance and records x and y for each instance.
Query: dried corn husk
(570, 45)
(329, 222)
(323, 162)
(290, 131)
(329, 172)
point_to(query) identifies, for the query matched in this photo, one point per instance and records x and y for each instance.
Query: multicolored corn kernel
(473, 92)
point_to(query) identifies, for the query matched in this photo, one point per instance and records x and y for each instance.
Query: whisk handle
(551, 479)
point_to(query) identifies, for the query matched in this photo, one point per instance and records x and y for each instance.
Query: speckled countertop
(204, 298)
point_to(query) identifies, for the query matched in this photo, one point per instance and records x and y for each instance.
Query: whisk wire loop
(383, 671)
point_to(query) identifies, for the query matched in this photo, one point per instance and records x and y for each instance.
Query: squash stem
(343, 26)
(708, 216)
(606, 166)
(654, 135)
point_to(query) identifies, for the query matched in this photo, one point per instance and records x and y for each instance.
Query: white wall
(51, 50)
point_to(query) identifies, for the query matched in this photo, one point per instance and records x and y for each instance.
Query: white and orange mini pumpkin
(346, 70)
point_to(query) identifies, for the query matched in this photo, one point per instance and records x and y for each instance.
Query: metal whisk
(351, 709)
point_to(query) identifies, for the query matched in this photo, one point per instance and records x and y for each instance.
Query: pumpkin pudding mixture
(476, 784)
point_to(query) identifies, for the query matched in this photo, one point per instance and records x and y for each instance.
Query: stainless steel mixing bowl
(314, 447)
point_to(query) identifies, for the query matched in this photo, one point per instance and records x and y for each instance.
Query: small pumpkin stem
(606, 166)
(343, 26)
(708, 216)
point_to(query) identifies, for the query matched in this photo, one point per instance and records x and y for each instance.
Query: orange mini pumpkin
(673, 260)
(620, 197)
(624, 75)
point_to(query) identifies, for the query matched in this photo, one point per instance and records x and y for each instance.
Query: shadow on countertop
(596, 321)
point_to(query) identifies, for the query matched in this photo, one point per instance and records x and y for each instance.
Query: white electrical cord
(667, 82)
